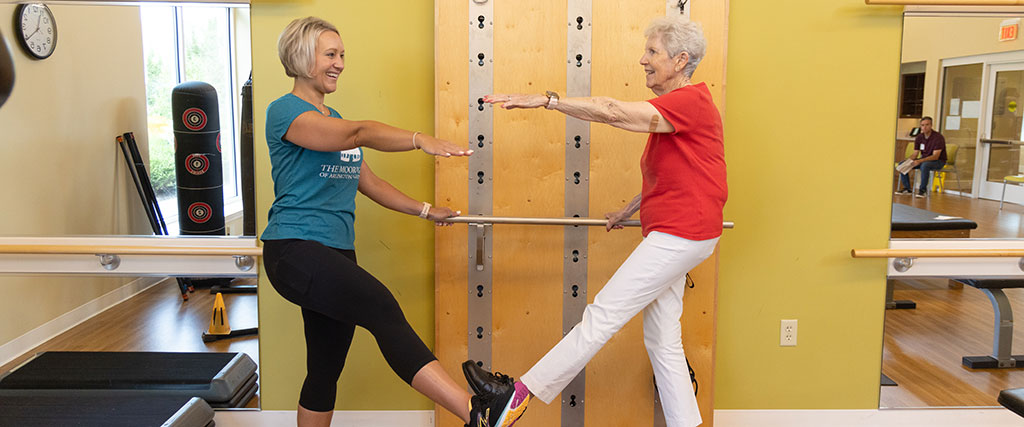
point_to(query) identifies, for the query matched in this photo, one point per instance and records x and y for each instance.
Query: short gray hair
(296, 47)
(680, 35)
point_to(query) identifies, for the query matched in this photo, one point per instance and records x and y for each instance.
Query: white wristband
(414, 140)
(425, 210)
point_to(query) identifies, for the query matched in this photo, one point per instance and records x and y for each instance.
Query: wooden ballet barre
(545, 221)
(937, 253)
(129, 250)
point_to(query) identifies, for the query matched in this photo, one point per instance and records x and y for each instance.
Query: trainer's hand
(614, 218)
(517, 100)
(439, 213)
(440, 147)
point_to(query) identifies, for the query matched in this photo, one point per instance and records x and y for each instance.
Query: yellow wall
(60, 169)
(810, 97)
(811, 89)
(388, 77)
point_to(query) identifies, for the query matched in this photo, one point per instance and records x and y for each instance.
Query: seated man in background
(929, 155)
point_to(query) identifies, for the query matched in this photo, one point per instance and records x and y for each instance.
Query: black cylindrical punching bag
(197, 159)
(245, 150)
(6, 71)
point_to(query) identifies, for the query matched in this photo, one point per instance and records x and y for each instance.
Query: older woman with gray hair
(308, 244)
(684, 191)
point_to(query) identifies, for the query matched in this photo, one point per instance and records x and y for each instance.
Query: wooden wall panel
(714, 16)
(529, 154)
(529, 54)
(700, 304)
(621, 372)
(451, 111)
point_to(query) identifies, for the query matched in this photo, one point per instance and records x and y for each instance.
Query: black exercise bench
(1013, 399)
(913, 223)
(1002, 334)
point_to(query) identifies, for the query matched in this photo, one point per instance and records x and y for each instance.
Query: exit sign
(1008, 29)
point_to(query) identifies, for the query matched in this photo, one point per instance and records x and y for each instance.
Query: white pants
(652, 280)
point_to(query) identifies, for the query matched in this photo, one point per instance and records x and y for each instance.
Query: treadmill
(223, 380)
(105, 411)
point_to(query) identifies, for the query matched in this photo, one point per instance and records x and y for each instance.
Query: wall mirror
(965, 70)
(112, 72)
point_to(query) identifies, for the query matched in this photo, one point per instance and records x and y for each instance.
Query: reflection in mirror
(966, 73)
(112, 73)
(969, 83)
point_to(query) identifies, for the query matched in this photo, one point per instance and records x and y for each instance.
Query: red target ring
(199, 212)
(194, 118)
(197, 164)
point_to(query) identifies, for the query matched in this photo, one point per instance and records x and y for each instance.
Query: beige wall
(60, 168)
(933, 39)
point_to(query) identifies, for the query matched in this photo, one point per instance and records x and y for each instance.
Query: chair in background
(950, 166)
(939, 181)
(1009, 178)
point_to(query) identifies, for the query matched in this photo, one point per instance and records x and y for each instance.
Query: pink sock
(522, 392)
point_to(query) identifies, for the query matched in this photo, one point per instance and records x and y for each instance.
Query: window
(911, 95)
(194, 43)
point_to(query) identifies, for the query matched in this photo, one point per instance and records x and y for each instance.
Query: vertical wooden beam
(621, 371)
(529, 156)
(451, 75)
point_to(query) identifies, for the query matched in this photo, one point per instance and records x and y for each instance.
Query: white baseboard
(243, 418)
(925, 417)
(31, 339)
(995, 417)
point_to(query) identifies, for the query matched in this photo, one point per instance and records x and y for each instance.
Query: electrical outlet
(787, 333)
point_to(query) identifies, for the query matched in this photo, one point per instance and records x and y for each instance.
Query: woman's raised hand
(518, 100)
(440, 147)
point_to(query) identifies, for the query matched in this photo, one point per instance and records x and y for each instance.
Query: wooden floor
(923, 347)
(158, 320)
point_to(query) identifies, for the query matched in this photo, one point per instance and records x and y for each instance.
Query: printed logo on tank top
(347, 169)
(353, 155)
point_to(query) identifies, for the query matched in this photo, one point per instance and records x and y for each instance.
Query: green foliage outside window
(160, 80)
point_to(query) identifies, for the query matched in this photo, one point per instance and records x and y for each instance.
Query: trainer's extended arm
(385, 194)
(317, 132)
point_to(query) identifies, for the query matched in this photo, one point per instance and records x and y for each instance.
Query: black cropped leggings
(336, 295)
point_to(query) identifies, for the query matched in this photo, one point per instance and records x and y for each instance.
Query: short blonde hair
(679, 34)
(296, 47)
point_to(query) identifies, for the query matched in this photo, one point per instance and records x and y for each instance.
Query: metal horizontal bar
(1002, 141)
(129, 250)
(937, 253)
(130, 265)
(545, 221)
